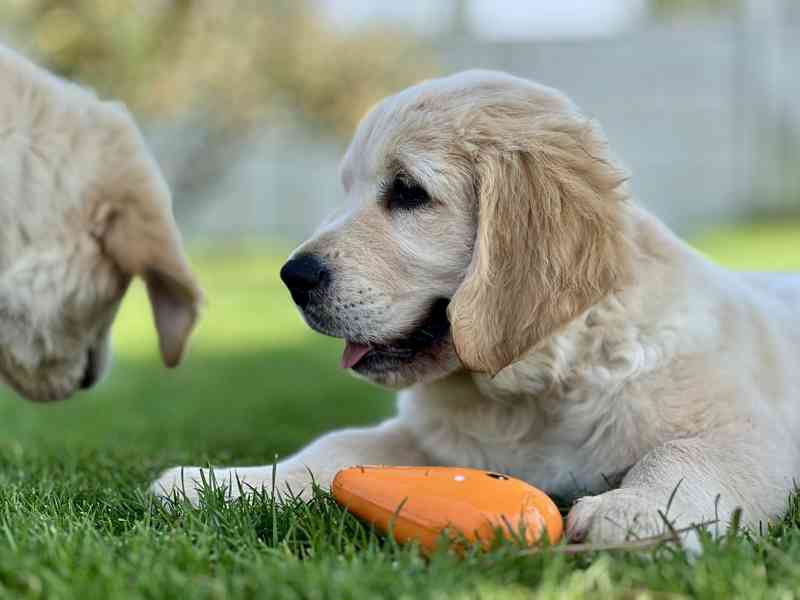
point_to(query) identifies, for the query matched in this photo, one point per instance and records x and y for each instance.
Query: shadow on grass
(231, 406)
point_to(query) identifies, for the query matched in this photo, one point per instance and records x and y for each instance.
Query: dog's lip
(433, 328)
(91, 372)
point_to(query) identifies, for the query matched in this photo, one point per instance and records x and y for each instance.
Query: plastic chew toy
(422, 503)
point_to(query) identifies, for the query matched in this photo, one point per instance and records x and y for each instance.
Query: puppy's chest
(561, 470)
(568, 446)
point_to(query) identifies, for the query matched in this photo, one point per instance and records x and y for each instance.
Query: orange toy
(420, 503)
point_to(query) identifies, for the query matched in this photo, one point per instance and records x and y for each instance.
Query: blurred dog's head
(486, 215)
(83, 209)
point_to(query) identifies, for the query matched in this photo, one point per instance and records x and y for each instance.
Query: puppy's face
(450, 247)
(83, 210)
(58, 297)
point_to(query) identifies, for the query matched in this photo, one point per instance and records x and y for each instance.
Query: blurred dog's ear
(551, 240)
(138, 231)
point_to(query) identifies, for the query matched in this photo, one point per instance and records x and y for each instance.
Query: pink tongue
(352, 354)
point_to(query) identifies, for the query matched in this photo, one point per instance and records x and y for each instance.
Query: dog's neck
(614, 338)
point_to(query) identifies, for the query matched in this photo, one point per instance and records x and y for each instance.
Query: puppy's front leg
(710, 476)
(390, 443)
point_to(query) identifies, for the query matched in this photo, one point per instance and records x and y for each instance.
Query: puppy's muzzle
(303, 275)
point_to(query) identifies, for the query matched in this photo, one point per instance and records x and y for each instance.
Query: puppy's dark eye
(406, 195)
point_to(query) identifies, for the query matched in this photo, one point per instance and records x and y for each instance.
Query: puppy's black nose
(302, 275)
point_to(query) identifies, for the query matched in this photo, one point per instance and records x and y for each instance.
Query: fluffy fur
(591, 352)
(83, 209)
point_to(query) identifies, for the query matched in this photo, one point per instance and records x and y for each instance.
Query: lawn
(75, 523)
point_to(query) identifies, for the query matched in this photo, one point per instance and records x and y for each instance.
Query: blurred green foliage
(756, 246)
(672, 8)
(236, 63)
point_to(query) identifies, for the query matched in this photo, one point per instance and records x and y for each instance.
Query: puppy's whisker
(427, 333)
(406, 293)
(395, 351)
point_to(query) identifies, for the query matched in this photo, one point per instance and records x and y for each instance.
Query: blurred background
(249, 104)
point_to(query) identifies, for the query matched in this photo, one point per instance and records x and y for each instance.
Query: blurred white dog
(541, 323)
(83, 209)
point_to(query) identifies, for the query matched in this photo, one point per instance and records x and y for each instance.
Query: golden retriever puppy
(83, 209)
(540, 323)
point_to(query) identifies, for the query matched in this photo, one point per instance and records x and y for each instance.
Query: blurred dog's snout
(302, 275)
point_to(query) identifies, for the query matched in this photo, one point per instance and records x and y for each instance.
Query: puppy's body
(603, 356)
(689, 352)
(83, 208)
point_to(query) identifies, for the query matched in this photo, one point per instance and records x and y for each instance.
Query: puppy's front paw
(620, 515)
(188, 483)
(179, 483)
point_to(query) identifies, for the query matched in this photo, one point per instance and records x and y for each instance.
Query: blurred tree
(240, 62)
(222, 68)
(672, 8)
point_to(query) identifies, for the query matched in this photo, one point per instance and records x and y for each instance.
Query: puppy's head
(83, 210)
(486, 215)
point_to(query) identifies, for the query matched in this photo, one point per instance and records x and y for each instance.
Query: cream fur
(83, 208)
(609, 362)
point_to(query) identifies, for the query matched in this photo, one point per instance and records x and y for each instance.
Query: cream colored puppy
(83, 209)
(540, 323)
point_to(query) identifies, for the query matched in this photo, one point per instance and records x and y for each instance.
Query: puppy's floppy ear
(139, 232)
(551, 238)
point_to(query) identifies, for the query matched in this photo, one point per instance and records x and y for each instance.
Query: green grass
(75, 523)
